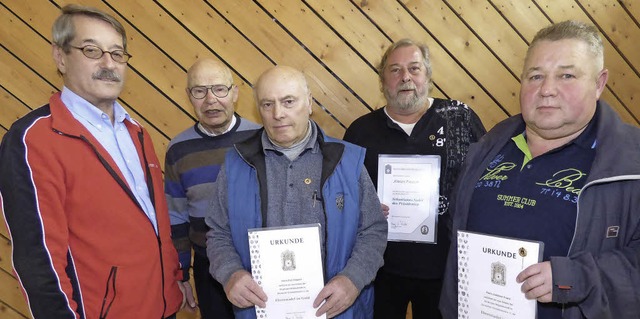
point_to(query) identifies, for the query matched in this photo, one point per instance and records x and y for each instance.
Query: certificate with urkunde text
(409, 185)
(487, 270)
(287, 263)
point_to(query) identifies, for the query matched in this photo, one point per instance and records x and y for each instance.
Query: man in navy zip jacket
(565, 172)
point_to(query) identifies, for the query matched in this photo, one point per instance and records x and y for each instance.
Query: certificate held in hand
(287, 263)
(487, 270)
(409, 185)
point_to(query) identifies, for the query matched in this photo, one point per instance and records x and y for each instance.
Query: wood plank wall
(477, 49)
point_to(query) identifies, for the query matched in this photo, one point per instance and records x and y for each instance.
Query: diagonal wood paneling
(621, 72)
(477, 49)
(452, 79)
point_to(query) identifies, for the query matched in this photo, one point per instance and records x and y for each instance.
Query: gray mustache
(406, 87)
(108, 75)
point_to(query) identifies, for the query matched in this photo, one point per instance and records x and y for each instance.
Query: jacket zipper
(111, 279)
(127, 190)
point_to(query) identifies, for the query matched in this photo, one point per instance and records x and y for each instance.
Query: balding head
(208, 68)
(284, 103)
(212, 93)
(281, 73)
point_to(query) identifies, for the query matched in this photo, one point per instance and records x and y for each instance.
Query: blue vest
(341, 186)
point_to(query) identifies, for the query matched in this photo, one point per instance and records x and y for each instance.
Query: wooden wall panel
(5, 250)
(504, 42)
(466, 49)
(448, 75)
(526, 20)
(11, 295)
(9, 313)
(162, 29)
(12, 303)
(477, 51)
(621, 72)
(12, 108)
(328, 50)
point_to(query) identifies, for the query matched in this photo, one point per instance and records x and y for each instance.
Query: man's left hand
(338, 295)
(385, 210)
(537, 282)
(188, 301)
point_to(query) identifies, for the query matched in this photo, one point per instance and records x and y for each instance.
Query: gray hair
(577, 30)
(63, 29)
(424, 49)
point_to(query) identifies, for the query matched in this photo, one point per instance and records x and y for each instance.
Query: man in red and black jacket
(81, 189)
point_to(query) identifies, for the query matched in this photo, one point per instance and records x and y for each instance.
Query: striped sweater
(192, 163)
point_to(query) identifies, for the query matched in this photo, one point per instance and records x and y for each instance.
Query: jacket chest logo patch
(612, 231)
(340, 201)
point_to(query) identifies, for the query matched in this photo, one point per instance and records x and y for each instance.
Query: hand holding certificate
(409, 185)
(287, 264)
(487, 270)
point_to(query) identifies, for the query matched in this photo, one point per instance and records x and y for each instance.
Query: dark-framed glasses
(199, 92)
(94, 52)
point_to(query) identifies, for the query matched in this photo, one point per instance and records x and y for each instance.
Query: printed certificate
(487, 270)
(409, 185)
(286, 262)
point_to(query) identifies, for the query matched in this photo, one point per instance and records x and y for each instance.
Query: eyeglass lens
(199, 92)
(94, 52)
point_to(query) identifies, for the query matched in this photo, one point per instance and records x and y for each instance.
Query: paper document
(286, 262)
(487, 270)
(409, 185)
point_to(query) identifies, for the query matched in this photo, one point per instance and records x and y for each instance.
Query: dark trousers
(393, 294)
(212, 300)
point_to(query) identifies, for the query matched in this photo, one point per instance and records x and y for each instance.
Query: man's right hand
(243, 291)
(188, 301)
(385, 210)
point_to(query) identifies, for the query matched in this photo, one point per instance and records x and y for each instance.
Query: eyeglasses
(199, 92)
(93, 52)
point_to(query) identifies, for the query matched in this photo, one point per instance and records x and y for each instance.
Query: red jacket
(82, 246)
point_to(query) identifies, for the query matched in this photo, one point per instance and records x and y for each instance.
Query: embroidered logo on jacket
(340, 201)
(612, 231)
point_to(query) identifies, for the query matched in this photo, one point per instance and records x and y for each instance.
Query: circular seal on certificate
(522, 252)
(424, 229)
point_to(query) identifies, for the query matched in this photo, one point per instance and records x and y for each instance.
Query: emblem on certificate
(409, 185)
(487, 270)
(498, 273)
(286, 262)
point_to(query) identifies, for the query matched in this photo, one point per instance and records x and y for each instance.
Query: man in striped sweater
(192, 163)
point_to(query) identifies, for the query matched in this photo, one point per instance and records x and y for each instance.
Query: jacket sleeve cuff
(185, 263)
(566, 286)
(225, 274)
(357, 281)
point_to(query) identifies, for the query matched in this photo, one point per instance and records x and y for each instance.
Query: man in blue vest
(291, 173)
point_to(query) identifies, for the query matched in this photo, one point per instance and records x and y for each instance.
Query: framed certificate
(487, 270)
(287, 263)
(410, 185)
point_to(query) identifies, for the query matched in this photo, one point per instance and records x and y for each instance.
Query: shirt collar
(311, 142)
(212, 134)
(81, 107)
(586, 140)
